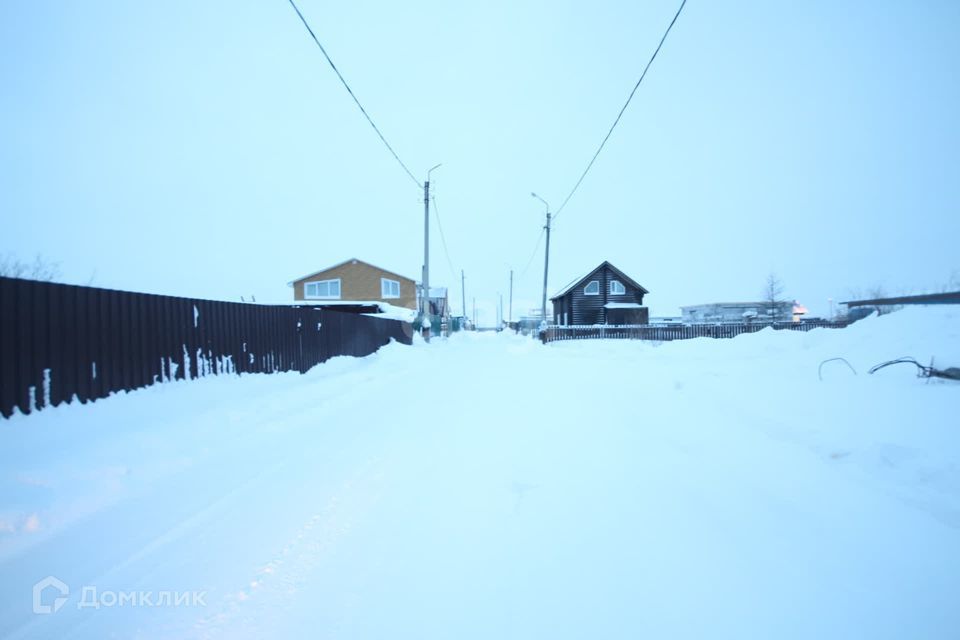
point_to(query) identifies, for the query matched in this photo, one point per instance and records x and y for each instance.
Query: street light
(545, 203)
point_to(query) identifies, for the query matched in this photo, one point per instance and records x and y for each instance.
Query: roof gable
(605, 263)
(348, 261)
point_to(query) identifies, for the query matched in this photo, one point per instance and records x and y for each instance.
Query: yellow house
(356, 281)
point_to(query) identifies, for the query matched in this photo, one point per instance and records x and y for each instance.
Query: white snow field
(488, 486)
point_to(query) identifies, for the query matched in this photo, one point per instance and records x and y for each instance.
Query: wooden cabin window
(592, 288)
(389, 288)
(322, 290)
(617, 288)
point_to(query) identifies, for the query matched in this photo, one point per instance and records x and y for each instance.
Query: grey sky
(206, 149)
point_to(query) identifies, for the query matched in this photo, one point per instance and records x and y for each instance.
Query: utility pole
(546, 261)
(510, 313)
(500, 311)
(474, 314)
(425, 313)
(463, 294)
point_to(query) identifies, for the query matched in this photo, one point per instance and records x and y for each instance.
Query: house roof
(340, 264)
(951, 297)
(605, 263)
(377, 308)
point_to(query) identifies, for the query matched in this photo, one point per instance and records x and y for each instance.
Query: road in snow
(490, 487)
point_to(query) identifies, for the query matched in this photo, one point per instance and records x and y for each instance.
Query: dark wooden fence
(59, 342)
(666, 332)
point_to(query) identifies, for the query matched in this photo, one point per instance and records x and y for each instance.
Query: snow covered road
(490, 487)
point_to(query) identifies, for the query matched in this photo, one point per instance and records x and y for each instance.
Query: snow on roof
(569, 285)
(334, 303)
(392, 312)
(387, 310)
(622, 305)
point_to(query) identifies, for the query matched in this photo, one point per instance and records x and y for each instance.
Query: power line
(443, 239)
(533, 255)
(619, 115)
(350, 91)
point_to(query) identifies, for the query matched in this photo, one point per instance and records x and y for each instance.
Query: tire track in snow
(250, 610)
(306, 435)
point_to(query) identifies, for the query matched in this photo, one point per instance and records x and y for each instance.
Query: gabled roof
(603, 264)
(340, 264)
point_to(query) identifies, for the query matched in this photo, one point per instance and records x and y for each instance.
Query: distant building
(783, 311)
(529, 322)
(605, 295)
(439, 301)
(859, 309)
(356, 281)
(948, 297)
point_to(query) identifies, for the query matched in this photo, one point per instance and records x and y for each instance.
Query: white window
(322, 290)
(389, 288)
(617, 288)
(592, 289)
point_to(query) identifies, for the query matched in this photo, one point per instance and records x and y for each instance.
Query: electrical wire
(620, 115)
(533, 255)
(443, 239)
(350, 91)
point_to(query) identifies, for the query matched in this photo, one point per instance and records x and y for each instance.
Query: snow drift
(489, 486)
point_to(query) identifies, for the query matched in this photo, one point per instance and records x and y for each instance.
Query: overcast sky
(206, 149)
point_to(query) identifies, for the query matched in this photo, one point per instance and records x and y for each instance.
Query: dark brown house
(606, 295)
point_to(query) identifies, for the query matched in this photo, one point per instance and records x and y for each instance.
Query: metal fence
(62, 342)
(667, 332)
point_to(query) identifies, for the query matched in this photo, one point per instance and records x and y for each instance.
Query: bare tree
(953, 284)
(40, 269)
(773, 295)
(878, 292)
